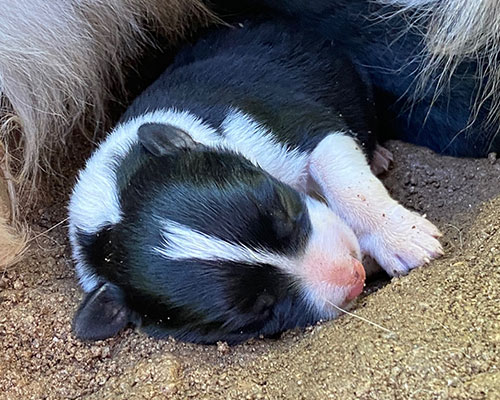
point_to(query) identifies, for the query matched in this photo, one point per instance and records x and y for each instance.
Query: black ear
(162, 139)
(102, 314)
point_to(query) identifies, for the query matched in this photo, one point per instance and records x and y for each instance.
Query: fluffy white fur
(60, 58)
(457, 30)
(59, 61)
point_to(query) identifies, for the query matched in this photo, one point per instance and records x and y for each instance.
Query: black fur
(161, 139)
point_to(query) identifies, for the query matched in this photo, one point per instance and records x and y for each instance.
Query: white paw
(381, 160)
(404, 240)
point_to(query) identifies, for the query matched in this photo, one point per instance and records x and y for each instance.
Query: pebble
(18, 284)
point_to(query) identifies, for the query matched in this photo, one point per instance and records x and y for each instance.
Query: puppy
(198, 217)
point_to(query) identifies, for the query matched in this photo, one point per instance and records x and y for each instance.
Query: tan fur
(12, 244)
(12, 241)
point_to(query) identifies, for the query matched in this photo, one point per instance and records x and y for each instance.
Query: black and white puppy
(198, 216)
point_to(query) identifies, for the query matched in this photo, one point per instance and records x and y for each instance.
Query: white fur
(88, 280)
(397, 238)
(181, 243)
(256, 143)
(347, 178)
(243, 135)
(409, 3)
(455, 31)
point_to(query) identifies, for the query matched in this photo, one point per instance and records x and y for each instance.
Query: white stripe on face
(183, 243)
(323, 271)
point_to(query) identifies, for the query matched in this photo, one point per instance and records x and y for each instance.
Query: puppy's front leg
(397, 238)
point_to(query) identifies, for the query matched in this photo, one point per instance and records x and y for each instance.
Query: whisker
(361, 318)
(48, 230)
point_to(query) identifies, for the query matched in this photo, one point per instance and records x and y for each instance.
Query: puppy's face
(211, 247)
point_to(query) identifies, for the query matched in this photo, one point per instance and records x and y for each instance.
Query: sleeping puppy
(235, 198)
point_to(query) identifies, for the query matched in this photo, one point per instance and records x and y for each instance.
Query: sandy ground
(444, 319)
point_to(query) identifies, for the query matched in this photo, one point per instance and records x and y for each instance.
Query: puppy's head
(211, 247)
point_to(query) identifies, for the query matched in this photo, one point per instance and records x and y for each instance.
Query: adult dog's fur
(12, 241)
(457, 31)
(60, 59)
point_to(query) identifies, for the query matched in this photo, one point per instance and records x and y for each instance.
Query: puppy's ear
(102, 314)
(163, 139)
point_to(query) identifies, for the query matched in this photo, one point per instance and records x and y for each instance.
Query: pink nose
(358, 280)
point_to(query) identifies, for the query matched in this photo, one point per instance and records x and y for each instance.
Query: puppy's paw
(404, 240)
(381, 160)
